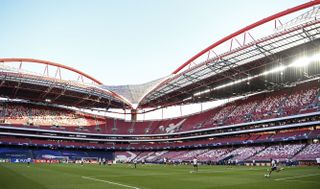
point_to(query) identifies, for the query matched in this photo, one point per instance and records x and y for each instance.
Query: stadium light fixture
(301, 62)
(305, 61)
(315, 58)
(247, 79)
(236, 82)
(202, 92)
(274, 70)
(186, 99)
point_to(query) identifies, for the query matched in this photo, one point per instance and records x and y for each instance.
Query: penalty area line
(109, 182)
(295, 177)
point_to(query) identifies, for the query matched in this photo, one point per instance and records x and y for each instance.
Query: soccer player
(318, 162)
(274, 167)
(28, 161)
(164, 161)
(135, 163)
(195, 165)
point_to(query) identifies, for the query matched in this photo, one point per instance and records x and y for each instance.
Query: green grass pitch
(70, 176)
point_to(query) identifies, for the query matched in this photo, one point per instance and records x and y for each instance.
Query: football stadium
(62, 128)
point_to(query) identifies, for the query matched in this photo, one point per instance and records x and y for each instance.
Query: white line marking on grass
(226, 171)
(294, 177)
(109, 182)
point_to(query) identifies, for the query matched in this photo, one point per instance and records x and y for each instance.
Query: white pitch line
(294, 177)
(109, 182)
(225, 171)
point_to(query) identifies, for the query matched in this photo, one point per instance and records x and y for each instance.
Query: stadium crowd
(28, 114)
(285, 102)
(261, 153)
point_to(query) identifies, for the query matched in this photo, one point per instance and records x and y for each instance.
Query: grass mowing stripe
(69, 176)
(16, 179)
(224, 171)
(294, 177)
(109, 182)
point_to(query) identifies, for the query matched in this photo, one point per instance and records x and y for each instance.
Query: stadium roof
(239, 63)
(18, 83)
(242, 67)
(133, 93)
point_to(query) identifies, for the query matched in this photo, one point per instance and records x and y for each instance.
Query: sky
(124, 41)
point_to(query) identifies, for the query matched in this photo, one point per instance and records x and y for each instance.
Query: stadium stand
(279, 152)
(311, 152)
(243, 153)
(263, 106)
(275, 114)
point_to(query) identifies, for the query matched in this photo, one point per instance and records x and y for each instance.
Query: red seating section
(299, 99)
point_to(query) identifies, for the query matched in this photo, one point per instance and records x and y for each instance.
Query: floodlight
(300, 62)
(315, 58)
(277, 69)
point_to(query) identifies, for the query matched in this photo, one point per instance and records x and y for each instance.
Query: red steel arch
(37, 61)
(45, 62)
(244, 31)
(247, 28)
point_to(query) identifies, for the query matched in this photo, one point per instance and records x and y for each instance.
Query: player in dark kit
(274, 167)
(28, 161)
(135, 163)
